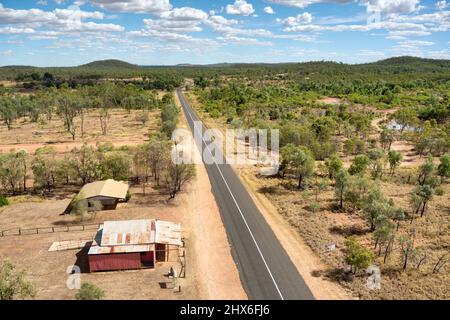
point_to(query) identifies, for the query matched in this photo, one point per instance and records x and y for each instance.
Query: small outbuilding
(107, 193)
(132, 244)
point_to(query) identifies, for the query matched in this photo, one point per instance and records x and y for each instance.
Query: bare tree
(176, 175)
(440, 263)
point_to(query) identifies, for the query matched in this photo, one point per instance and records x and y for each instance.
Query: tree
(406, 117)
(407, 249)
(444, 167)
(169, 119)
(341, 184)
(299, 161)
(86, 163)
(359, 165)
(176, 175)
(13, 283)
(376, 157)
(419, 198)
(8, 110)
(141, 165)
(383, 233)
(44, 166)
(68, 108)
(395, 158)
(387, 137)
(357, 256)
(426, 171)
(158, 153)
(115, 165)
(376, 207)
(104, 116)
(334, 165)
(12, 171)
(89, 291)
(78, 206)
(355, 190)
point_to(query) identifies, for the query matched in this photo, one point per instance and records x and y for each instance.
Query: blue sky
(167, 32)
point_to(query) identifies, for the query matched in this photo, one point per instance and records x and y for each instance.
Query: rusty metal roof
(134, 236)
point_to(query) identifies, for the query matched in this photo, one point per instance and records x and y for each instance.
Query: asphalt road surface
(265, 269)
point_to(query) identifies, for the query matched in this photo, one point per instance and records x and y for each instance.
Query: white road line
(234, 199)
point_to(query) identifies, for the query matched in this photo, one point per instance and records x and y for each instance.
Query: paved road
(266, 271)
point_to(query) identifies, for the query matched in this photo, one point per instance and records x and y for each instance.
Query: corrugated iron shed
(134, 236)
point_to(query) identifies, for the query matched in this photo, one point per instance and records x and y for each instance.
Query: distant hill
(408, 60)
(103, 64)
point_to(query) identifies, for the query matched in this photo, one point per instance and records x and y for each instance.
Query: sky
(170, 32)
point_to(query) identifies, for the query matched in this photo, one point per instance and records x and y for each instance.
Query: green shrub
(314, 207)
(439, 191)
(89, 292)
(3, 201)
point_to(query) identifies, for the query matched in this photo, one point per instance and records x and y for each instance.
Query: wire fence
(52, 229)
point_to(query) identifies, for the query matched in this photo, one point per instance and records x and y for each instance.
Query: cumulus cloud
(304, 3)
(243, 41)
(303, 18)
(441, 5)
(13, 30)
(70, 19)
(136, 6)
(391, 6)
(6, 53)
(269, 10)
(240, 7)
(184, 14)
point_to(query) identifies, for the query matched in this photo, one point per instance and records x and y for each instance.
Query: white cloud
(137, 6)
(441, 5)
(42, 3)
(302, 18)
(304, 3)
(172, 25)
(242, 41)
(13, 30)
(391, 6)
(178, 20)
(416, 43)
(240, 7)
(269, 10)
(7, 53)
(407, 33)
(69, 20)
(184, 14)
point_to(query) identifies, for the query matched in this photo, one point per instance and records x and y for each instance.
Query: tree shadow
(63, 223)
(349, 230)
(269, 190)
(338, 275)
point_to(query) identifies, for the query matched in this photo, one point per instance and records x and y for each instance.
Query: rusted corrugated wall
(109, 262)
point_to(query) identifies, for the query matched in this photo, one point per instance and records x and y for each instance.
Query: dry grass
(329, 226)
(123, 128)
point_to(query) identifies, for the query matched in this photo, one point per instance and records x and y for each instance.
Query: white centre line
(183, 103)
